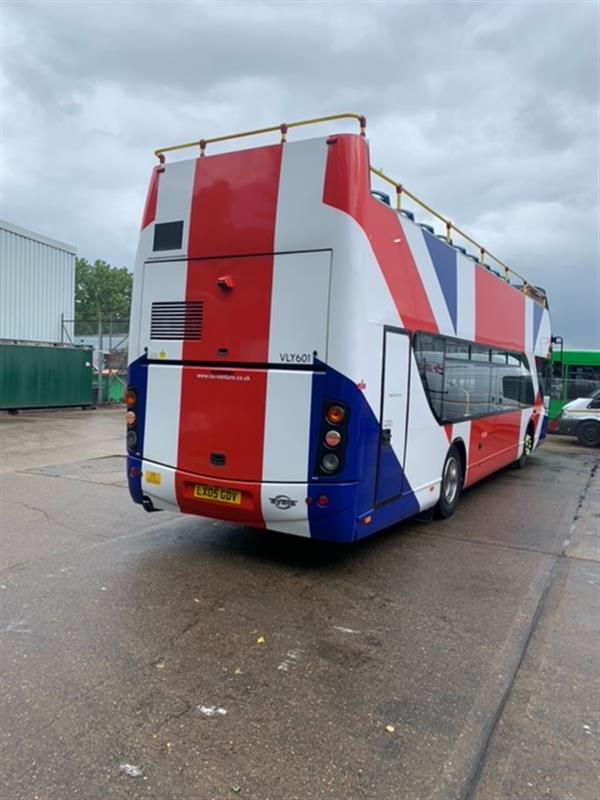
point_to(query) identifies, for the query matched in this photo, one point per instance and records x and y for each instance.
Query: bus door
(393, 415)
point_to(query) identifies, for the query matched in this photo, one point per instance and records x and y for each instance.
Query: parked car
(581, 418)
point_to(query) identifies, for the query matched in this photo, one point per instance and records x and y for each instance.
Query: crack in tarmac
(478, 765)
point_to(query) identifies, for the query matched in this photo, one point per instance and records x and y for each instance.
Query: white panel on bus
(164, 281)
(174, 201)
(465, 310)
(161, 431)
(528, 333)
(163, 493)
(284, 508)
(299, 307)
(302, 219)
(395, 390)
(136, 347)
(287, 426)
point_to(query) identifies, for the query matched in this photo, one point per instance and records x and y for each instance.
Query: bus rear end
(229, 344)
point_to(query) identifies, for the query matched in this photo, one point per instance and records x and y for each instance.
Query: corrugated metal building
(37, 285)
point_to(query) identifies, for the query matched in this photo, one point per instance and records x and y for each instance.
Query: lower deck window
(463, 380)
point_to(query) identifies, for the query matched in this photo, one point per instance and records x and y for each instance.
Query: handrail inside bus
(531, 291)
(283, 129)
(526, 287)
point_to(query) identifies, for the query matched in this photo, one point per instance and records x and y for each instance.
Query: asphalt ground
(163, 656)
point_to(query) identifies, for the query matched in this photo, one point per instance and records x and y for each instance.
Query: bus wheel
(451, 485)
(527, 450)
(588, 433)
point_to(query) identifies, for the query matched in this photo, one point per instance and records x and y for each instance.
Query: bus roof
(583, 358)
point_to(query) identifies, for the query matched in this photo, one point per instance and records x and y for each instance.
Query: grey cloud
(489, 111)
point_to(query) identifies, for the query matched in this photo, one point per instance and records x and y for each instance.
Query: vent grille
(177, 320)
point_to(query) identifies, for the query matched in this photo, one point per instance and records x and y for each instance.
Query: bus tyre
(451, 485)
(588, 433)
(527, 450)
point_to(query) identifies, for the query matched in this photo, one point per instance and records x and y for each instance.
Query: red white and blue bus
(306, 358)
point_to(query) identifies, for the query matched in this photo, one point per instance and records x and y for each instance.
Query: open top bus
(306, 357)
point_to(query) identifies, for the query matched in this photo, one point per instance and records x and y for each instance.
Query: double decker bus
(306, 357)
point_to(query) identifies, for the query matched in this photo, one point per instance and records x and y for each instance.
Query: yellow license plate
(216, 495)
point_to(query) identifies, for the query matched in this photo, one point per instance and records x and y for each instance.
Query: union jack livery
(305, 357)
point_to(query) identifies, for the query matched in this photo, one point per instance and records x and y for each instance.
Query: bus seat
(382, 196)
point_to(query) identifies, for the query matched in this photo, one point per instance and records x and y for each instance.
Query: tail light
(330, 462)
(130, 398)
(335, 414)
(131, 419)
(333, 439)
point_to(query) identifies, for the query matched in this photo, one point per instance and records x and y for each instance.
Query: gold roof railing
(526, 287)
(283, 129)
(450, 227)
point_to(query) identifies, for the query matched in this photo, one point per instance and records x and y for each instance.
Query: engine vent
(177, 320)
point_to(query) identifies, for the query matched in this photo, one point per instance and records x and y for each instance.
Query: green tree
(101, 292)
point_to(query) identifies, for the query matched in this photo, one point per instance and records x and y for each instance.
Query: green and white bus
(575, 373)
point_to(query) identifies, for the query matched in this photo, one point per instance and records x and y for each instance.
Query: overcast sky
(488, 111)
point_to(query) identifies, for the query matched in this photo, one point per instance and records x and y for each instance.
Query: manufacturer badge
(283, 502)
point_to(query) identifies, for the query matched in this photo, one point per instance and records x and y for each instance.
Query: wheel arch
(462, 451)
(531, 429)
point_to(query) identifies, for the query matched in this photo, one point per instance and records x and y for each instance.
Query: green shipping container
(44, 375)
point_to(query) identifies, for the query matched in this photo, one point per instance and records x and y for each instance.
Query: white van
(581, 418)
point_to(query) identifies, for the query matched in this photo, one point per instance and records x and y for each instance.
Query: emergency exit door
(393, 415)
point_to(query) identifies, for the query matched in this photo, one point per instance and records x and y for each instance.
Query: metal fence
(110, 344)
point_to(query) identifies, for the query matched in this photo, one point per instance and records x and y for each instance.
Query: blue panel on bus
(135, 481)
(390, 514)
(444, 262)
(351, 492)
(538, 312)
(391, 481)
(138, 380)
(544, 429)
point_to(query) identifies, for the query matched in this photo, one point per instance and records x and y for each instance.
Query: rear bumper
(286, 507)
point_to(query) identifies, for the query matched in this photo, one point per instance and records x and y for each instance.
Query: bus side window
(544, 372)
(557, 369)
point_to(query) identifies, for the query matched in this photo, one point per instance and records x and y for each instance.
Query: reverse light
(130, 418)
(130, 398)
(333, 438)
(131, 440)
(335, 414)
(330, 462)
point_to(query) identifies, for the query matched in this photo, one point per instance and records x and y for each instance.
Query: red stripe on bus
(234, 203)
(346, 188)
(499, 312)
(494, 443)
(233, 210)
(149, 214)
(222, 423)
(248, 512)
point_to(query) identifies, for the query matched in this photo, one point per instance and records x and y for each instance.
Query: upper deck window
(168, 235)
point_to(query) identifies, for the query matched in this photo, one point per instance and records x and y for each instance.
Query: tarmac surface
(172, 657)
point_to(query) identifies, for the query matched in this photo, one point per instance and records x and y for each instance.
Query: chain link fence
(110, 343)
